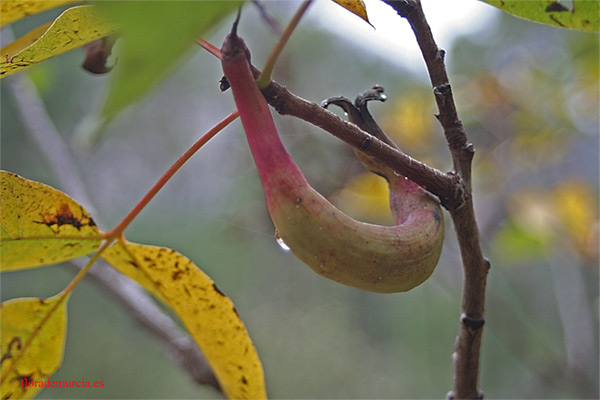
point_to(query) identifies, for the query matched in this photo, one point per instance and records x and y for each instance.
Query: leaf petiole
(119, 229)
(264, 79)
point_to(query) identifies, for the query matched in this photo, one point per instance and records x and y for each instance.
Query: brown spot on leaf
(16, 343)
(177, 275)
(24, 380)
(65, 216)
(553, 18)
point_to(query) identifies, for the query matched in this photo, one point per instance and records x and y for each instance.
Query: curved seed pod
(371, 257)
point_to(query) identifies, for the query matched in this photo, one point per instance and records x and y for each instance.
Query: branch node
(442, 92)
(451, 396)
(442, 89)
(441, 54)
(366, 143)
(472, 323)
(457, 199)
(488, 264)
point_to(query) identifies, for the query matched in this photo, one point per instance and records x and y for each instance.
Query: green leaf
(514, 245)
(37, 328)
(206, 312)
(577, 14)
(41, 225)
(73, 28)
(155, 36)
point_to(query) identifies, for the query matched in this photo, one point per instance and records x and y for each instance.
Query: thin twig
(269, 21)
(475, 266)
(177, 343)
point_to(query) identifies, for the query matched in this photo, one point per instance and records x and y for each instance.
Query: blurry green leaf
(155, 36)
(206, 312)
(41, 225)
(22, 318)
(579, 14)
(14, 10)
(73, 28)
(514, 245)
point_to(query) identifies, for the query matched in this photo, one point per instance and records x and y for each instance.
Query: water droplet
(281, 243)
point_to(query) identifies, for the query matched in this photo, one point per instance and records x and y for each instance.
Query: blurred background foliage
(528, 95)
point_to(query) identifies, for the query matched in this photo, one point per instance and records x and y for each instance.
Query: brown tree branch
(475, 266)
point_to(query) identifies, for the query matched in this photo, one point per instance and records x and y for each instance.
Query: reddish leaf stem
(119, 229)
(208, 46)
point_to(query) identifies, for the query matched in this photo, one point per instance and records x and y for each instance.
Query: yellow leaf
(14, 10)
(356, 7)
(367, 198)
(41, 225)
(577, 210)
(73, 28)
(410, 123)
(206, 312)
(42, 356)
